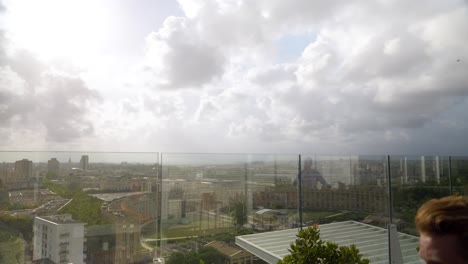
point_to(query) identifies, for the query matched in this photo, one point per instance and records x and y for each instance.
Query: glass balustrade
(142, 207)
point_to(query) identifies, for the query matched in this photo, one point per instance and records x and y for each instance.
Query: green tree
(4, 200)
(82, 206)
(239, 213)
(309, 248)
(211, 255)
(11, 248)
(208, 255)
(176, 258)
(17, 224)
(85, 208)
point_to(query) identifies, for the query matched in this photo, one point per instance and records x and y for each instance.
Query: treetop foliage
(208, 255)
(309, 248)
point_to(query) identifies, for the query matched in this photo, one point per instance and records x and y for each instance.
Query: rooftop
(60, 219)
(371, 241)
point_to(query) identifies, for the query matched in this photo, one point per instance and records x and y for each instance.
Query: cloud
(40, 102)
(279, 74)
(206, 111)
(372, 76)
(37, 100)
(16, 101)
(392, 79)
(166, 107)
(194, 50)
(178, 58)
(27, 66)
(3, 40)
(361, 77)
(64, 106)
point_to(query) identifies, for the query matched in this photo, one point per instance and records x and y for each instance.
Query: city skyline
(337, 78)
(127, 212)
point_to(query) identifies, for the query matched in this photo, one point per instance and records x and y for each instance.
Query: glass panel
(343, 188)
(133, 207)
(460, 175)
(348, 188)
(211, 198)
(415, 179)
(77, 207)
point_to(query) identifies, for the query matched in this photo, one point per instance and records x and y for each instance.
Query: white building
(59, 238)
(84, 162)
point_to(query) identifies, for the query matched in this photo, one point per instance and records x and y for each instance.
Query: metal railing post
(390, 208)
(299, 190)
(450, 174)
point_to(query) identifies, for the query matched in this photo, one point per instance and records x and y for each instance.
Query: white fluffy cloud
(41, 104)
(373, 69)
(370, 77)
(179, 58)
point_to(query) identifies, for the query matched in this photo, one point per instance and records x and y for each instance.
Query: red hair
(448, 215)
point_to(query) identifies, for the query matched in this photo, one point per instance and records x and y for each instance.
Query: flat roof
(60, 219)
(371, 241)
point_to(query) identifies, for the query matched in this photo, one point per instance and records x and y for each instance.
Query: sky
(230, 76)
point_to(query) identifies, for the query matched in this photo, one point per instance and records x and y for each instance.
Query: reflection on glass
(209, 198)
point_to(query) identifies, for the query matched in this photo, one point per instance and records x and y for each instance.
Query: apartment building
(59, 238)
(23, 169)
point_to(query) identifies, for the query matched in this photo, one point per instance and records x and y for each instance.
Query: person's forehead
(439, 240)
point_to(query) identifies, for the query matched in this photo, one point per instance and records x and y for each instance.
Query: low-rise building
(233, 252)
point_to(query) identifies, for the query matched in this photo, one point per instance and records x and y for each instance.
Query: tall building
(7, 174)
(84, 162)
(53, 167)
(23, 169)
(58, 238)
(127, 243)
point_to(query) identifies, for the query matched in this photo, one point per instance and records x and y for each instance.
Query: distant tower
(53, 167)
(23, 169)
(423, 169)
(84, 162)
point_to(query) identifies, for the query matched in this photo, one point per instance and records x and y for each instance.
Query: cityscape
(101, 208)
(221, 131)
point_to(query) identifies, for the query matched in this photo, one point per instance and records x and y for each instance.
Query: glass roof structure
(371, 241)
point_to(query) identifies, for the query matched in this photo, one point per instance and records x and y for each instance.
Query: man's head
(443, 228)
